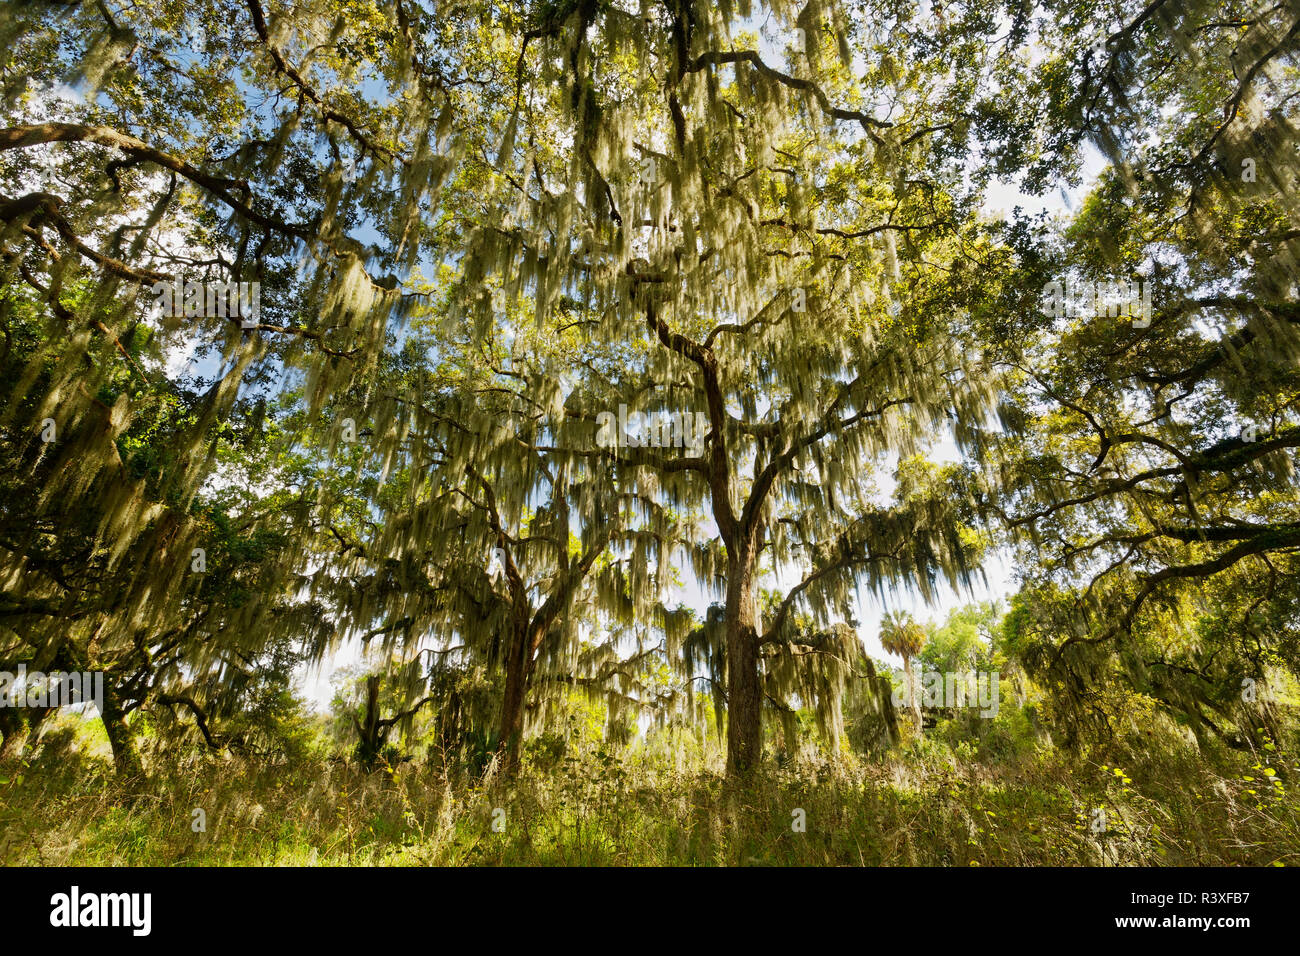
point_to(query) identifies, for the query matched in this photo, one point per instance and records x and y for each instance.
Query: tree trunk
(744, 689)
(125, 757)
(915, 698)
(510, 737)
(369, 740)
(13, 734)
(449, 731)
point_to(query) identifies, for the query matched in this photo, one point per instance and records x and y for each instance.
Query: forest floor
(918, 807)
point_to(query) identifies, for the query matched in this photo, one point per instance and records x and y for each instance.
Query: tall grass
(922, 806)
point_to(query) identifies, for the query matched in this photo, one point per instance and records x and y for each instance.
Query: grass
(922, 806)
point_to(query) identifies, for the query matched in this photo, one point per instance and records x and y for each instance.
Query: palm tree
(901, 634)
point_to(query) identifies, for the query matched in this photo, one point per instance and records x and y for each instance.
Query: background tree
(497, 541)
(966, 640)
(176, 614)
(903, 635)
(128, 184)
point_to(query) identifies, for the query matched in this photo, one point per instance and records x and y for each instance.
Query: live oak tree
(1149, 468)
(372, 722)
(773, 241)
(221, 143)
(77, 598)
(499, 543)
(217, 143)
